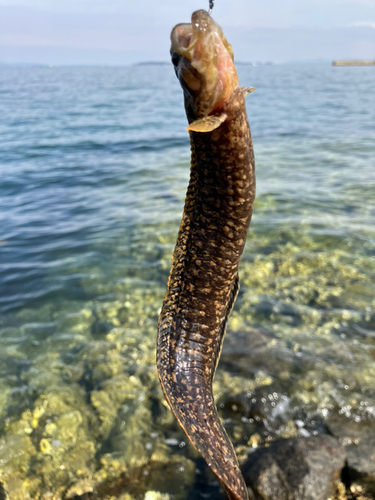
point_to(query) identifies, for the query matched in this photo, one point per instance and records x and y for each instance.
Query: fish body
(203, 281)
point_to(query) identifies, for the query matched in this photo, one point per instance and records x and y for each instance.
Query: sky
(131, 31)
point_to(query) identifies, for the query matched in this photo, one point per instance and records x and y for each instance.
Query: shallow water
(94, 164)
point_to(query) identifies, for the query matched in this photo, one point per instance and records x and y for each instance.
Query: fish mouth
(203, 61)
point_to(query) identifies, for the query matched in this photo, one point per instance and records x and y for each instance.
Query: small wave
(113, 148)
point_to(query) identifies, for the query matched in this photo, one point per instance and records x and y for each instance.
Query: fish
(203, 283)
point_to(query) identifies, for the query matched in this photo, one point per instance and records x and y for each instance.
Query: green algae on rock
(90, 407)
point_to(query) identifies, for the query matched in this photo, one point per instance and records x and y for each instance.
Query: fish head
(203, 61)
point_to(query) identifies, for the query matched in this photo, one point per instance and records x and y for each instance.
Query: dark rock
(123, 314)
(246, 352)
(295, 469)
(174, 477)
(264, 308)
(101, 328)
(358, 329)
(359, 441)
(267, 309)
(361, 464)
(309, 424)
(246, 340)
(268, 403)
(3, 494)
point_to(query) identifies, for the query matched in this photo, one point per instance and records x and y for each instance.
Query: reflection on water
(94, 168)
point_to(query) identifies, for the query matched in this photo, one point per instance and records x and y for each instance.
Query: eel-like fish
(203, 282)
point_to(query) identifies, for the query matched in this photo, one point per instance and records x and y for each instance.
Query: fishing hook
(211, 4)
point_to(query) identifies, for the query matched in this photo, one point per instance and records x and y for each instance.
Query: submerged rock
(174, 477)
(101, 328)
(358, 439)
(3, 493)
(361, 465)
(263, 403)
(295, 469)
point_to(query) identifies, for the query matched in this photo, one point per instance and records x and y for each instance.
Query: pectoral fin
(247, 90)
(208, 123)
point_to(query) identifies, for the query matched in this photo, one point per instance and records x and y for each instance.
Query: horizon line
(167, 63)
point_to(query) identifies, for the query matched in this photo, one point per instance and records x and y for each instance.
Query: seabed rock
(359, 442)
(3, 493)
(295, 469)
(269, 402)
(361, 465)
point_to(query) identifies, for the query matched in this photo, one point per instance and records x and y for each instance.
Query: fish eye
(175, 58)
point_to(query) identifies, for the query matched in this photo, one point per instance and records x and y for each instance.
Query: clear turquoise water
(94, 164)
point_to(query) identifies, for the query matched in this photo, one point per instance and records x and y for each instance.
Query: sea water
(94, 165)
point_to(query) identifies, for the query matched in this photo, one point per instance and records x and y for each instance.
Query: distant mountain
(25, 64)
(153, 63)
(253, 63)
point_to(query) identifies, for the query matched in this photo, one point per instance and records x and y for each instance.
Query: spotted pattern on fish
(203, 284)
